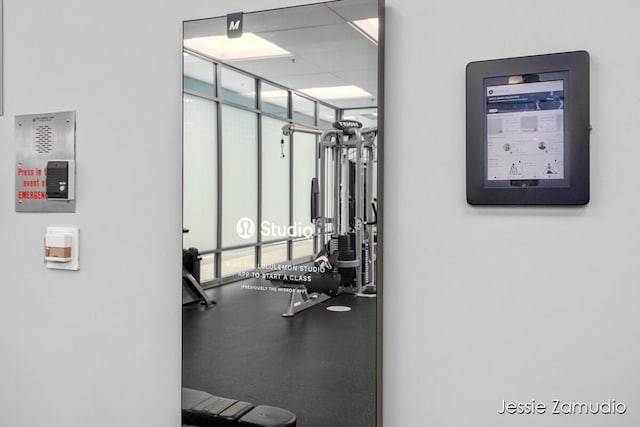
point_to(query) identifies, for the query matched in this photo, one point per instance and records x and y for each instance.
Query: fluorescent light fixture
(359, 116)
(245, 48)
(337, 92)
(368, 28)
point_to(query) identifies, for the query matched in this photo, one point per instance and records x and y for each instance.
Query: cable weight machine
(343, 211)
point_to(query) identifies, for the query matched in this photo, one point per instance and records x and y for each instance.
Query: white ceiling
(326, 50)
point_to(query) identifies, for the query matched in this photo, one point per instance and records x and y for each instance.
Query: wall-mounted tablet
(528, 130)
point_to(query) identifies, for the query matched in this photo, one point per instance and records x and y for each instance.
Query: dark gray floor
(318, 364)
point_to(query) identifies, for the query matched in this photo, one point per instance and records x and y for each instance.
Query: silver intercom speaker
(61, 180)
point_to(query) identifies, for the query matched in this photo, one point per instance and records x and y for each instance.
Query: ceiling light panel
(368, 27)
(247, 47)
(337, 92)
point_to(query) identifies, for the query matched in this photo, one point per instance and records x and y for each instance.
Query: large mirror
(281, 225)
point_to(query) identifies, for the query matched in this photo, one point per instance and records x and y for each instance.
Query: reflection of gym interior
(280, 218)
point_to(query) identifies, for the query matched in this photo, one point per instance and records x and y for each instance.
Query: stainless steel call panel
(43, 140)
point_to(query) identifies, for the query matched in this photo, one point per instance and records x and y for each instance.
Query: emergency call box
(45, 162)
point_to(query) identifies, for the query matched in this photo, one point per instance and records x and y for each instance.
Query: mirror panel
(281, 208)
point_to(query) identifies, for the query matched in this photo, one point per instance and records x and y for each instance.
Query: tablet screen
(525, 131)
(525, 141)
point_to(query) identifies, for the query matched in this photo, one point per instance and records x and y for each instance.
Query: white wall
(485, 304)
(480, 304)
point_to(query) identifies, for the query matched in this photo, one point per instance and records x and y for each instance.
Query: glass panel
(326, 117)
(200, 173)
(304, 110)
(238, 88)
(304, 169)
(275, 181)
(239, 260)
(239, 176)
(274, 100)
(274, 254)
(198, 75)
(303, 248)
(207, 268)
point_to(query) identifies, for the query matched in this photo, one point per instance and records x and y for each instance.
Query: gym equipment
(201, 409)
(347, 234)
(191, 275)
(311, 288)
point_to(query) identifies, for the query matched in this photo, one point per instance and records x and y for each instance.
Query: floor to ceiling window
(234, 145)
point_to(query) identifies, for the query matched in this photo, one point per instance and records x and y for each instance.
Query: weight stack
(346, 253)
(366, 266)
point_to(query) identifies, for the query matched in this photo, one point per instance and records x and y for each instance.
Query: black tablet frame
(574, 189)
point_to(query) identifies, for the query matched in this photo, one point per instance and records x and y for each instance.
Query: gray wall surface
(485, 304)
(481, 304)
